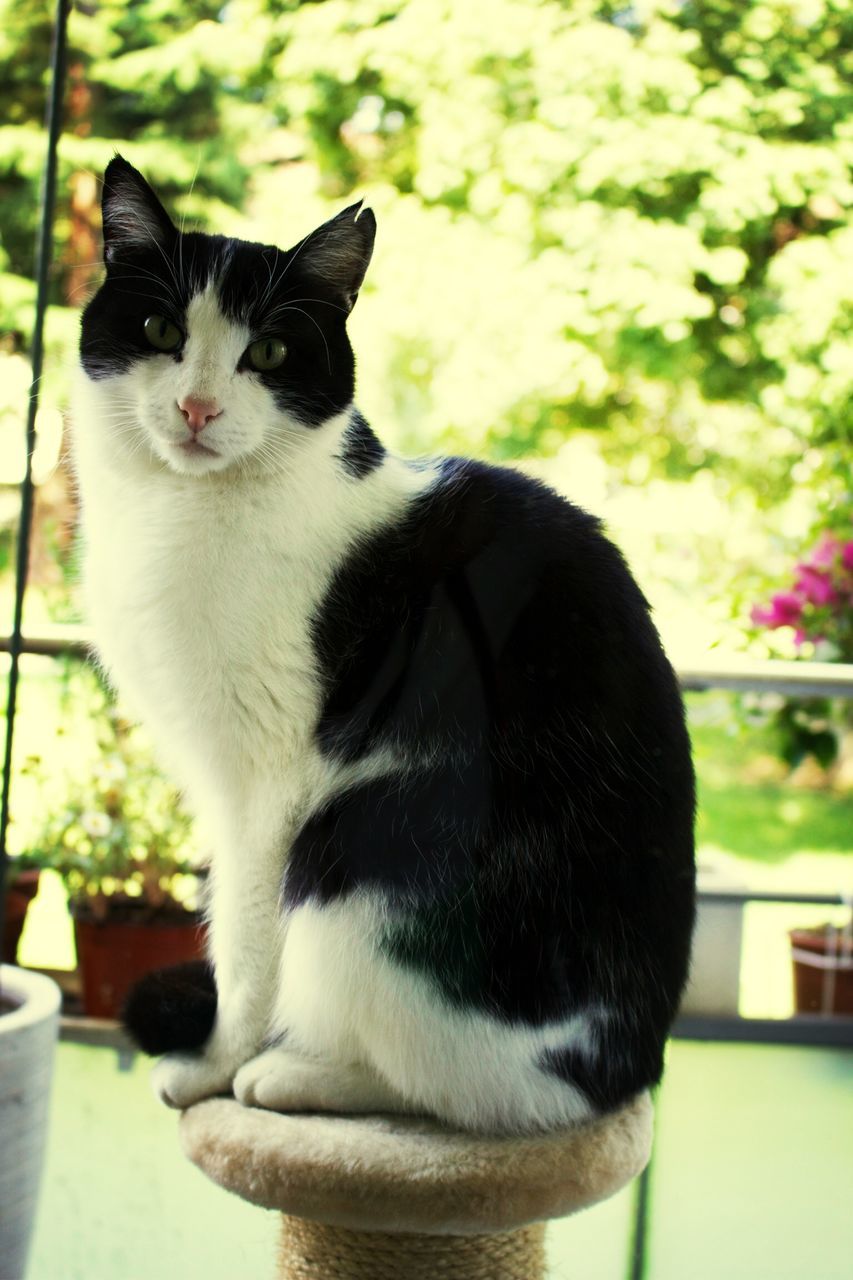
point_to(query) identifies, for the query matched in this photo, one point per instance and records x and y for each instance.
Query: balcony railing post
(42, 265)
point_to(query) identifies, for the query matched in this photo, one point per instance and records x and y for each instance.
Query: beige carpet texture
(410, 1174)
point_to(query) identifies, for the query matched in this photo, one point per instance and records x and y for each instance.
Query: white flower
(95, 824)
(110, 769)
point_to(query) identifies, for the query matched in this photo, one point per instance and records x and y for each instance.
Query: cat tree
(402, 1197)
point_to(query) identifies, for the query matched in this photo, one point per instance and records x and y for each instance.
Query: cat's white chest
(202, 610)
(202, 592)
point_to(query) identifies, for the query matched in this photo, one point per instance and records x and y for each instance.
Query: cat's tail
(172, 1009)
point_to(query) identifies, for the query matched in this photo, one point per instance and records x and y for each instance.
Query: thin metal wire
(767, 675)
(42, 265)
(640, 1228)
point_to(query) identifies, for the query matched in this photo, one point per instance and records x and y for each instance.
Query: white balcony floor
(752, 1179)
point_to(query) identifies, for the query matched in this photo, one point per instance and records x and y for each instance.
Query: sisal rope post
(317, 1251)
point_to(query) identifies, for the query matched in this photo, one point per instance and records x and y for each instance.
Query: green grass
(746, 806)
(768, 823)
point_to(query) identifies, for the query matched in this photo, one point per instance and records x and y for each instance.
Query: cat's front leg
(245, 945)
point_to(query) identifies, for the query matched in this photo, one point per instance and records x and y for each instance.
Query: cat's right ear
(339, 252)
(133, 217)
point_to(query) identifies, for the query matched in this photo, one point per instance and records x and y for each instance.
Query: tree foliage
(630, 219)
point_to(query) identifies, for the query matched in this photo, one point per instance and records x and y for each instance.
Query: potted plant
(21, 889)
(817, 605)
(816, 608)
(123, 846)
(823, 968)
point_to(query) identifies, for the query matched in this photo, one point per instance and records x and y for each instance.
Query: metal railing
(42, 265)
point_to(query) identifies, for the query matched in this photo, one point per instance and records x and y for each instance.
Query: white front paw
(281, 1080)
(269, 1080)
(181, 1079)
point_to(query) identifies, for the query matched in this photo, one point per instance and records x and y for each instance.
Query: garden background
(615, 248)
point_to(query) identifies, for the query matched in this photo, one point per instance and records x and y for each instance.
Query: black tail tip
(171, 1010)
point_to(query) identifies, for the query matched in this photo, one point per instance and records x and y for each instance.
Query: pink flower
(785, 610)
(823, 554)
(813, 586)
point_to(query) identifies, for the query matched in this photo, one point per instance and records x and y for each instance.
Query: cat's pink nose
(198, 413)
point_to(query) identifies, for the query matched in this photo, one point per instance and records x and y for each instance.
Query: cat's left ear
(339, 252)
(133, 217)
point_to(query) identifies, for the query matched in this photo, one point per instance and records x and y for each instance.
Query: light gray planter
(714, 983)
(27, 1037)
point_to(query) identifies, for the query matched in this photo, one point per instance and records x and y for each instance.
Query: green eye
(266, 353)
(162, 334)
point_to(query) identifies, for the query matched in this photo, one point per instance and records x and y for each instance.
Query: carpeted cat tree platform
(403, 1198)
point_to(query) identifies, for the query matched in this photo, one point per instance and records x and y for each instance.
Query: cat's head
(207, 351)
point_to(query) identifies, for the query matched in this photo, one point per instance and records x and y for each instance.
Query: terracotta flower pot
(113, 954)
(19, 895)
(823, 970)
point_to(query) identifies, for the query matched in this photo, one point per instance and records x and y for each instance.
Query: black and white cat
(419, 709)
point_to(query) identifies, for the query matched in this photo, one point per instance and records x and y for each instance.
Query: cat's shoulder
(504, 492)
(487, 529)
(474, 506)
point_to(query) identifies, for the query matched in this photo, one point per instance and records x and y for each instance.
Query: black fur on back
(541, 846)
